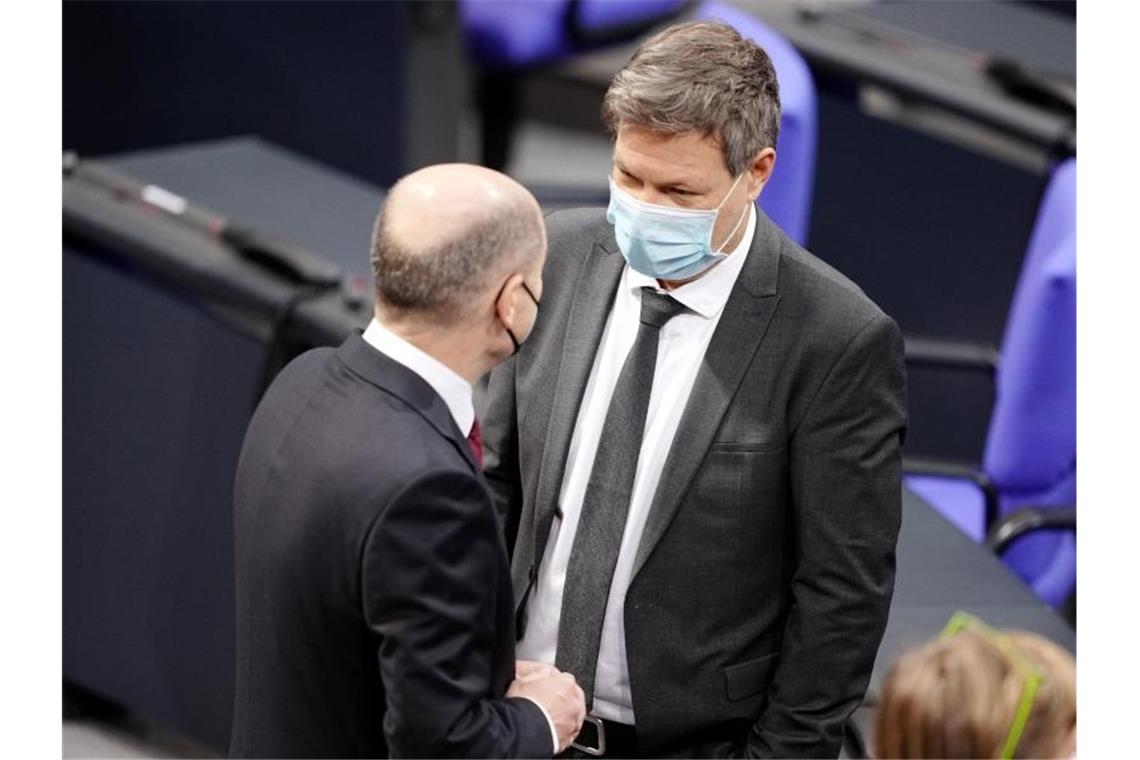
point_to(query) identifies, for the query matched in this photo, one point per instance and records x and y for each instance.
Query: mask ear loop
(738, 221)
(735, 227)
(514, 340)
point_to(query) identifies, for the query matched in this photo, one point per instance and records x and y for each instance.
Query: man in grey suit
(696, 453)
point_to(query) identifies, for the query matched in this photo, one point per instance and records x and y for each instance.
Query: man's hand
(529, 670)
(558, 694)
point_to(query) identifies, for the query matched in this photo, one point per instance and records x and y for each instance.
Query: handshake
(558, 694)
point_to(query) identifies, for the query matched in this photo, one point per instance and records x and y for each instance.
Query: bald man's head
(449, 232)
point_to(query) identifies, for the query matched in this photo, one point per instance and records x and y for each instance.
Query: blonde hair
(956, 697)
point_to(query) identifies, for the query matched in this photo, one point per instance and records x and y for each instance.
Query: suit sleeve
(500, 449)
(845, 480)
(431, 574)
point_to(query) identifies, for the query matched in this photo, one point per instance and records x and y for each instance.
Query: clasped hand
(557, 692)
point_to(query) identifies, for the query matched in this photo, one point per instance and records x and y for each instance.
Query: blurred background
(224, 161)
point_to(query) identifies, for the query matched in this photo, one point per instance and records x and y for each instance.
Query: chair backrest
(599, 16)
(787, 198)
(508, 33)
(514, 33)
(1031, 448)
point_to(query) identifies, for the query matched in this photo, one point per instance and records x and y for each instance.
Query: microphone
(289, 260)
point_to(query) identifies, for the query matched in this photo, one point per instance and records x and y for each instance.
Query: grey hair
(704, 77)
(436, 282)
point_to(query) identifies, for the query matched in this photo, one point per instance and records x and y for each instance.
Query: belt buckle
(601, 729)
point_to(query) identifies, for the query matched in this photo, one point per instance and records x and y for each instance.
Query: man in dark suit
(697, 451)
(374, 600)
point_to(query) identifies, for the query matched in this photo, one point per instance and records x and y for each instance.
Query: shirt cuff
(549, 722)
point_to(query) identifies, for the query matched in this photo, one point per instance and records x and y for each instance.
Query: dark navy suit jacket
(374, 601)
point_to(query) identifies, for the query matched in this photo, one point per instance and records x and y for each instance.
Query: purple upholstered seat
(1031, 446)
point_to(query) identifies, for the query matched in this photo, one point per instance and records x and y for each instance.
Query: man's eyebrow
(680, 184)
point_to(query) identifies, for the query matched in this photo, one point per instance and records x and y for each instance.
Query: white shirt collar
(708, 294)
(450, 385)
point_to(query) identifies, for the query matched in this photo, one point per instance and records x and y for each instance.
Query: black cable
(280, 350)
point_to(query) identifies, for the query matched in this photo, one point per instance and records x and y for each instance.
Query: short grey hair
(436, 283)
(705, 77)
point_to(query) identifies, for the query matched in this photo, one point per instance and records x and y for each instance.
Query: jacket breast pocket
(748, 446)
(745, 679)
(742, 483)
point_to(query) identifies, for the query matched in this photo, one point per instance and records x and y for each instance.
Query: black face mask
(510, 332)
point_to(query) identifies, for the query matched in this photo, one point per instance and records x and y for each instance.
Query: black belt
(603, 738)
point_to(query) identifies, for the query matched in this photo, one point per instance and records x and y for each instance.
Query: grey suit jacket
(763, 579)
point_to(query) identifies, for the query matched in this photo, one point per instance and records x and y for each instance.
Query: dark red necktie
(475, 440)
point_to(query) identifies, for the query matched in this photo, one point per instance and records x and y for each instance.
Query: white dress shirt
(452, 387)
(681, 349)
(455, 391)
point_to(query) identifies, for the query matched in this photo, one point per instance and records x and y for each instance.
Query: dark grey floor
(97, 729)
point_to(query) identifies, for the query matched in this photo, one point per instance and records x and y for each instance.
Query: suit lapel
(733, 346)
(593, 294)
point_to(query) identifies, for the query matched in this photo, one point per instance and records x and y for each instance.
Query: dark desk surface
(271, 189)
(927, 52)
(928, 49)
(939, 569)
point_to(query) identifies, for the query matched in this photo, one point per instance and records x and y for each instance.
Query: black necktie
(606, 502)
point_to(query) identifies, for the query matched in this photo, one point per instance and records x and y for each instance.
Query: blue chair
(1029, 468)
(787, 198)
(512, 34)
(505, 36)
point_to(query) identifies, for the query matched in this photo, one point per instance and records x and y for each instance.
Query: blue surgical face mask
(666, 242)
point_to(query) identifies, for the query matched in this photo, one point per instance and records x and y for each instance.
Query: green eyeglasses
(1031, 676)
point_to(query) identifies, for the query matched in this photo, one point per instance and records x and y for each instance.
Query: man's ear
(506, 303)
(761, 171)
